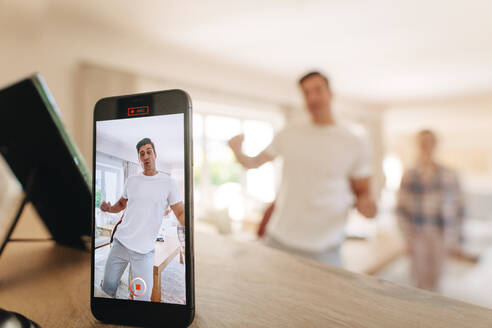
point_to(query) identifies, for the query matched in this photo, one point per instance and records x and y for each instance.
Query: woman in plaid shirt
(430, 211)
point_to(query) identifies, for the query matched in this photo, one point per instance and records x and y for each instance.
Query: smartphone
(142, 268)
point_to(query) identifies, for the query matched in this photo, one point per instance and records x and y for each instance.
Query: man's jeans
(141, 267)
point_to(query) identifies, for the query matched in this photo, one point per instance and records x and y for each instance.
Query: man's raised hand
(236, 143)
(105, 206)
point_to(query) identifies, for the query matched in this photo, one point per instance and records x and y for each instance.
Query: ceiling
(383, 50)
(120, 137)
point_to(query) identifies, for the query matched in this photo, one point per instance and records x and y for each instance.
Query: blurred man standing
(430, 211)
(326, 171)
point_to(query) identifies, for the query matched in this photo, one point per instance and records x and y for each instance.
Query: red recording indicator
(138, 287)
(141, 110)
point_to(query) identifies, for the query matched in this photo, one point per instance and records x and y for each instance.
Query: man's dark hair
(312, 74)
(143, 142)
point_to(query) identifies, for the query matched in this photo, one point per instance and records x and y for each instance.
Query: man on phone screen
(146, 196)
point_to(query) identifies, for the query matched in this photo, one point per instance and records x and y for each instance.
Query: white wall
(55, 45)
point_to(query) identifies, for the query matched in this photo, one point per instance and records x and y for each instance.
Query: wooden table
(371, 255)
(165, 252)
(237, 285)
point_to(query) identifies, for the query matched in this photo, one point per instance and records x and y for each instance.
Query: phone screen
(139, 241)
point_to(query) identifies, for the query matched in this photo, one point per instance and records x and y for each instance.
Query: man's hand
(116, 208)
(105, 206)
(236, 143)
(364, 202)
(366, 206)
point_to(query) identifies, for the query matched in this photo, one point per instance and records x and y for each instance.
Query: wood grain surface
(237, 285)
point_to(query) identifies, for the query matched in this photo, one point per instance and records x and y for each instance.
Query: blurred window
(220, 182)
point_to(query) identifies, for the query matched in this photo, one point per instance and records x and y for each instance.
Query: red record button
(138, 287)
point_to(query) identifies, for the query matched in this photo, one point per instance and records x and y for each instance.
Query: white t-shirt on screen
(315, 194)
(148, 198)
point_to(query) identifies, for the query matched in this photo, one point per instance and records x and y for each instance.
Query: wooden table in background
(237, 285)
(165, 252)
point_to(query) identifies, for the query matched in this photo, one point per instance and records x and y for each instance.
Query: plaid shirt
(431, 199)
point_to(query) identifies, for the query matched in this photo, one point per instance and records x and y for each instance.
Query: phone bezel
(128, 312)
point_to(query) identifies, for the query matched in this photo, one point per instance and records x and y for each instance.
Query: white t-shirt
(315, 194)
(148, 198)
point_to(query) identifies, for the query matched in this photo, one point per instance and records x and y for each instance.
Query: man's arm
(116, 208)
(364, 202)
(246, 161)
(178, 210)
